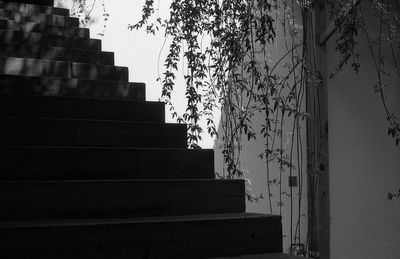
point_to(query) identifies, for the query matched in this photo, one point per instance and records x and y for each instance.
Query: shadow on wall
(364, 161)
(255, 174)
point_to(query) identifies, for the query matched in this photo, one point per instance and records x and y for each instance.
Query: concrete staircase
(91, 170)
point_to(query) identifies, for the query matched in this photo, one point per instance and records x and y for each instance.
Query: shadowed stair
(89, 169)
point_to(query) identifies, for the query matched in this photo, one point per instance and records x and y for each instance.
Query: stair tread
(62, 69)
(55, 162)
(53, 53)
(44, 28)
(72, 79)
(121, 181)
(191, 236)
(55, 47)
(99, 148)
(60, 61)
(54, 86)
(19, 130)
(261, 256)
(88, 120)
(35, 2)
(52, 19)
(139, 220)
(38, 200)
(83, 98)
(81, 108)
(36, 38)
(30, 8)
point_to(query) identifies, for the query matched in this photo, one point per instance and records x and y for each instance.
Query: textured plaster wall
(256, 175)
(255, 168)
(364, 162)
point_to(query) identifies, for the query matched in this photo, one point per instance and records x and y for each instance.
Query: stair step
(48, 68)
(51, 163)
(28, 27)
(38, 2)
(81, 108)
(262, 256)
(35, 38)
(57, 20)
(32, 9)
(20, 131)
(43, 200)
(51, 86)
(56, 54)
(194, 236)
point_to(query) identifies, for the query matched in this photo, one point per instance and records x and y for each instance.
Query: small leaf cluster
(391, 196)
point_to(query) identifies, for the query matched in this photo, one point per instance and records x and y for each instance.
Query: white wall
(255, 173)
(255, 168)
(364, 162)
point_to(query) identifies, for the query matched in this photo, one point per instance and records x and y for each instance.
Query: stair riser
(33, 9)
(102, 199)
(34, 38)
(90, 133)
(56, 54)
(45, 68)
(187, 239)
(28, 27)
(10, 84)
(56, 20)
(105, 163)
(81, 108)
